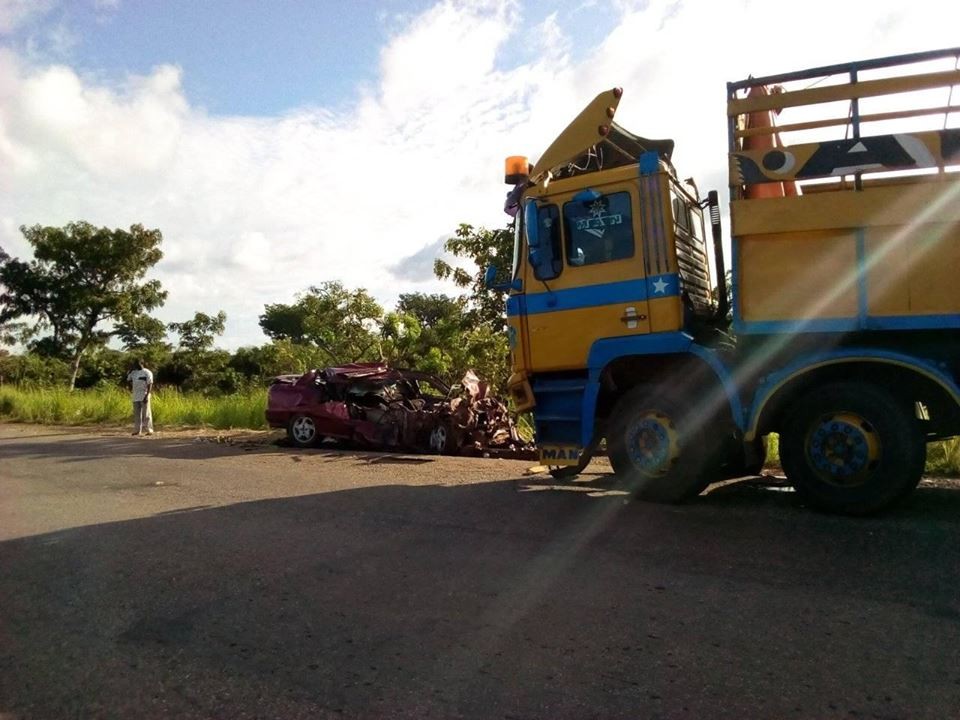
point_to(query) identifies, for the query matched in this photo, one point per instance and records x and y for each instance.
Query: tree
(280, 357)
(432, 310)
(284, 322)
(343, 323)
(103, 366)
(196, 365)
(438, 334)
(80, 278)
(401, 344)
(483, 247)
(199, 334)
(8, 331)
(141, 331)
(426, 333)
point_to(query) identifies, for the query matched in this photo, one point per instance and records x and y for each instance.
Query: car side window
(598, 230)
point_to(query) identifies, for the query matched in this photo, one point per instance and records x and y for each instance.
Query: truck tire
(852, 448)
(302, 431)
(659, 446)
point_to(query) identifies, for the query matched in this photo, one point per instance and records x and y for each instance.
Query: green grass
(58, 406)
(773, 449)
(525, 426)
(943, 458)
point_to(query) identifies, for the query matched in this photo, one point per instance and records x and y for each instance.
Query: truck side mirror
(531, 223)
(489, 277)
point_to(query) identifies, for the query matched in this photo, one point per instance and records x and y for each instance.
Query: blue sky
(238, 57)
(280, 144)
(249, 57)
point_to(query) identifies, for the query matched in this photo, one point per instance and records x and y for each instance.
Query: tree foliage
(432, 310)
(140, 332)
(9, 332)
(199, 333)
(80, 277)
(343, 323)
(86, 285)
(438, 334)
(195, 364)
(483, 248)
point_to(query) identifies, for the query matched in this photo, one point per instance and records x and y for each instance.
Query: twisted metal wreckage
(374, 405)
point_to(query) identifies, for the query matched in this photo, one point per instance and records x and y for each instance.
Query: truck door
(585, 276)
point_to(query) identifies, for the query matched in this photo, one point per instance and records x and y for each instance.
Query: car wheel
(302, 431)
(440, 441)
(852, 448)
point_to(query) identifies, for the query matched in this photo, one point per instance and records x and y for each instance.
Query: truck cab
(610, 245)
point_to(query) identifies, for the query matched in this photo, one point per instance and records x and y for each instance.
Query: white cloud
(254, 210)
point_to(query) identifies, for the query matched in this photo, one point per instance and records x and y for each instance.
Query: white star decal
(660, 286)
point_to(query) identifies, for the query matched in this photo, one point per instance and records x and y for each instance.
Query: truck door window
(545, 258)
(599, 230)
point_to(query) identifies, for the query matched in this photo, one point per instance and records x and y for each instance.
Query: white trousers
(142, 417)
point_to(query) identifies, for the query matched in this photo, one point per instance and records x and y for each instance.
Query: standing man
(141, 381)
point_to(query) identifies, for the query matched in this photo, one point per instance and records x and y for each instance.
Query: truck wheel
(302, 431)
(657, 446)
(852, 448)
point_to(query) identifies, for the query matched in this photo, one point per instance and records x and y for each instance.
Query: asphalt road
(162, 577)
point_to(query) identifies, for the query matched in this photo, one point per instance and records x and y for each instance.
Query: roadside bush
(31, 370)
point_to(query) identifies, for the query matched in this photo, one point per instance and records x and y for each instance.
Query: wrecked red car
(374, 405)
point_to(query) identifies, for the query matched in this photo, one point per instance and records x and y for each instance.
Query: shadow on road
(515, 599)
(934, 500)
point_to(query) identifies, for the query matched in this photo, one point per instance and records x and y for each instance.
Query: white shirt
(141, 379)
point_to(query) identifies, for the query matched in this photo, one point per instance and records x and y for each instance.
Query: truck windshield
(599, 230)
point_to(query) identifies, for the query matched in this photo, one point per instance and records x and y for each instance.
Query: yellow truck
(840, 328)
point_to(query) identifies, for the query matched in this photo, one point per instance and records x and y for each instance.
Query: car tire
(302, 431)
(441, 439)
